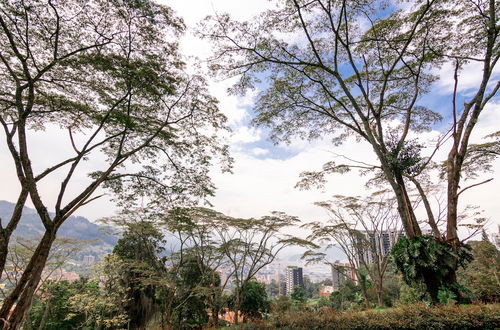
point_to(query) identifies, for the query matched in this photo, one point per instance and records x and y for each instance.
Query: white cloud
(245, 134)
(259, 151)
(259, 186)
(469, 77)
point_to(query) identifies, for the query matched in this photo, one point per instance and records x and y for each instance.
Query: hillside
(74, 227)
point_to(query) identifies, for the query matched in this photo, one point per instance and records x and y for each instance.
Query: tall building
(294, 278)
(379, 242)
(340, 273)
(88, 260)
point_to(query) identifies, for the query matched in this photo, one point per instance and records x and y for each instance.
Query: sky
(264, 175)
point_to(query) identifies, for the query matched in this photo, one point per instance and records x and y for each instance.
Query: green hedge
(417, 316)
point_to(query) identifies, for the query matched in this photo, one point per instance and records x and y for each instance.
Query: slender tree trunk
(398, 185)
(4, 247)
(20, 298)
(380, 292)
(46, 310)
(5, 233)
(237, 306)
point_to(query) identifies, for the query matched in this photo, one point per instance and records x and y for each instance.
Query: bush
(417, 316)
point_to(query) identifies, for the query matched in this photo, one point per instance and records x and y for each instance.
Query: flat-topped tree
(251, 244)
(108, 75)
(363, 68)
(243, 246)
(357, 226)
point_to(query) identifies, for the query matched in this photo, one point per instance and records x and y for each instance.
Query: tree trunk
(432, 286)
(237, 305)
(4, 249)
(380, 293)
(405, 208)
(19, 301)
(46, 310)
(5, 233)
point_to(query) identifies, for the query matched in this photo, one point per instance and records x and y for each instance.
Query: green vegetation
(418, 316)
(141, 125)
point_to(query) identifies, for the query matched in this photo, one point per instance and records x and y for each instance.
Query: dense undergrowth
(416, 316)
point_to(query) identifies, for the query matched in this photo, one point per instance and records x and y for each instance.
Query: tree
(103, 302)
(363, 68)
(254, 301)
(482, 275)
(143, 271)
(346, 297)
(109, 74)
(311, 289)
(194, 285)
(51, 308)
(194, 229)
(21, 251)
(251, 244)
(242, 246)
(272, 289)
(298, 295)
(359, 227)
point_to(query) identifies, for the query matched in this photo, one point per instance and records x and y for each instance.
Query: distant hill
(74, 227)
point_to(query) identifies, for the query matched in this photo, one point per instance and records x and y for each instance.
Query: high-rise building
(294, 278)
(340, 273)
(379, 242)
(88, 260)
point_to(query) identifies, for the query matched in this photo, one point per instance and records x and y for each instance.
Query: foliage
(281, 305)
(347, 297)
(417, 316)
(254, 302)
(481, 276)
(50, 308)
(333, 69)
(103, 305)
(323, 302)
(194, 283)
(298, 294)
(411, 294)
(419, 258)
(272, 289)
(142, 272)
(311, 289)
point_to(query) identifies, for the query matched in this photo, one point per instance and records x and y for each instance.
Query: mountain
(74, 227)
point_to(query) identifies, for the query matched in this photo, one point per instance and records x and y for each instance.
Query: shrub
(417, 316)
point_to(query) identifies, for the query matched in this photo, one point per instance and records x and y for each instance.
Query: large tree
(107, 75)
(364, 68)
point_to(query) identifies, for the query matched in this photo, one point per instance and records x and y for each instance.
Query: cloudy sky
(264, 175)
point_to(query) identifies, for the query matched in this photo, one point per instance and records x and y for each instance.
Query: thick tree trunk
(405, 208)
(18, 302)
(432, 286)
